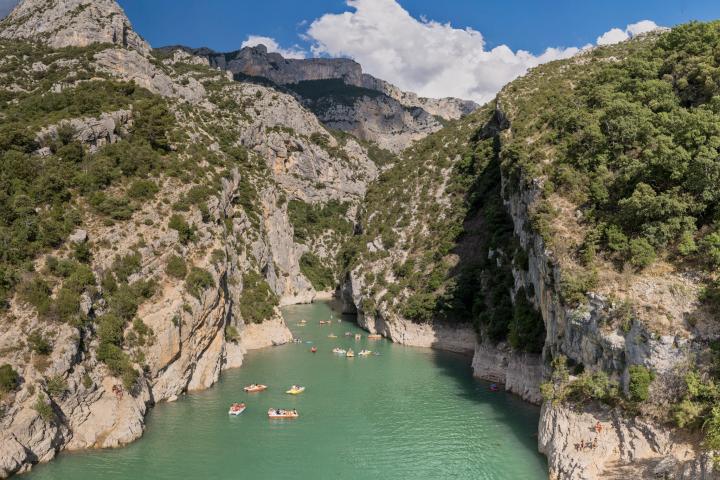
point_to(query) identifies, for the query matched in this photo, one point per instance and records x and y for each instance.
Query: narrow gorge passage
(406, 413)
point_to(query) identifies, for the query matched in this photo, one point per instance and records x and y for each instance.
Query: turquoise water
(408, 413)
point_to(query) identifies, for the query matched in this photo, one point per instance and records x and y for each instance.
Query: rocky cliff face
(240, 151)
(374, 110)
(72, 23)
(390, 283)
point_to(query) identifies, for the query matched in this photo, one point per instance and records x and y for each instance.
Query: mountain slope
(570, 224)
(342, 96)
(149, 209)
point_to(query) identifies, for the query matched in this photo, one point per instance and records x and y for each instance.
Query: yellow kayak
(295, 390)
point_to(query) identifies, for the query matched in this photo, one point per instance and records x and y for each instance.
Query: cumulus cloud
(273, 46)
(617, 35)
(430, 58)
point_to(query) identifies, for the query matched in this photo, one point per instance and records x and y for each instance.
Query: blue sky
(530, 25)
(462, 48)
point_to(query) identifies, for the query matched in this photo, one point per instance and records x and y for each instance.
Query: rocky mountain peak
(64, 23)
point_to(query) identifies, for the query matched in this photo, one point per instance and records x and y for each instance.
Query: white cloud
(617, 35)
(273, 46)
(430, 58)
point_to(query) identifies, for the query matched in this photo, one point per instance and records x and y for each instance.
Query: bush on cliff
(257, 301)
(176, 267)
(319, 275)
(198, 280)
(9, 378)
(639, 382)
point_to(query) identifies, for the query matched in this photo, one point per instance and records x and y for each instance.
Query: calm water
(407, 413)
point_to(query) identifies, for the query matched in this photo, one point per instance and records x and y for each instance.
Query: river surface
(408, 413)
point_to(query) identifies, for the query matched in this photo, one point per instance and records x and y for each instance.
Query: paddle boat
(296, 340)
(374, 336)
(332, 335)
(494, 387)
(282, 413)
(358, 336)
(338, 350)
(236, 408)
(255, 388)
(295, 390)
(364, 353)
(350, 353)
(313, 349)
(348, 334)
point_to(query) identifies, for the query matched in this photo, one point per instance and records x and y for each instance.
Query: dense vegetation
(312, 220)
(258, 301)
(436, 219)
(633, 142)
(322, 93)
(320, 276)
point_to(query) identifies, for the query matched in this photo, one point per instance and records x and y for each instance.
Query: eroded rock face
(190, 345)
(68, 23)
(623, 448)
(378, 112)
(520, 373)
(380, 119)
(454, 338)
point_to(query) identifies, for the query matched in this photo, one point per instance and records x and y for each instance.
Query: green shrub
(82, 252)
(311, 220)
(710, 248)
(176, 267)
(527, 329)
(257, 301)
(575, 285)
(319, 275)
(711, 428)
(639, 383)
(36, 292)
(142, 189)
(186, 232)
(56, 386)
(87, 380)
(38, 343)
(231, 333)
(198, 280)
(9, 378)
(43, 408)
(124, 302)
(642, 254)
(127, 265)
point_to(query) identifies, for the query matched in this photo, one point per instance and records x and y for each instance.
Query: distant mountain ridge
(342, 97)
(257, 61)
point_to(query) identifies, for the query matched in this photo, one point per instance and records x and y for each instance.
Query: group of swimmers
(590, 445)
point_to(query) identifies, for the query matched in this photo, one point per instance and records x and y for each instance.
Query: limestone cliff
(495, 236)
(193, 259)
(342, 96)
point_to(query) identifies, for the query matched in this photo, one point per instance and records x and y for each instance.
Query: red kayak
(313, 349)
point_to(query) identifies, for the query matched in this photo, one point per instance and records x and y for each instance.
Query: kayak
(332, 335)
(236, 408)
(255, 388)
(374, 336)
(338, 351)
(280, 413)
(364, 353)
(295, 390)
